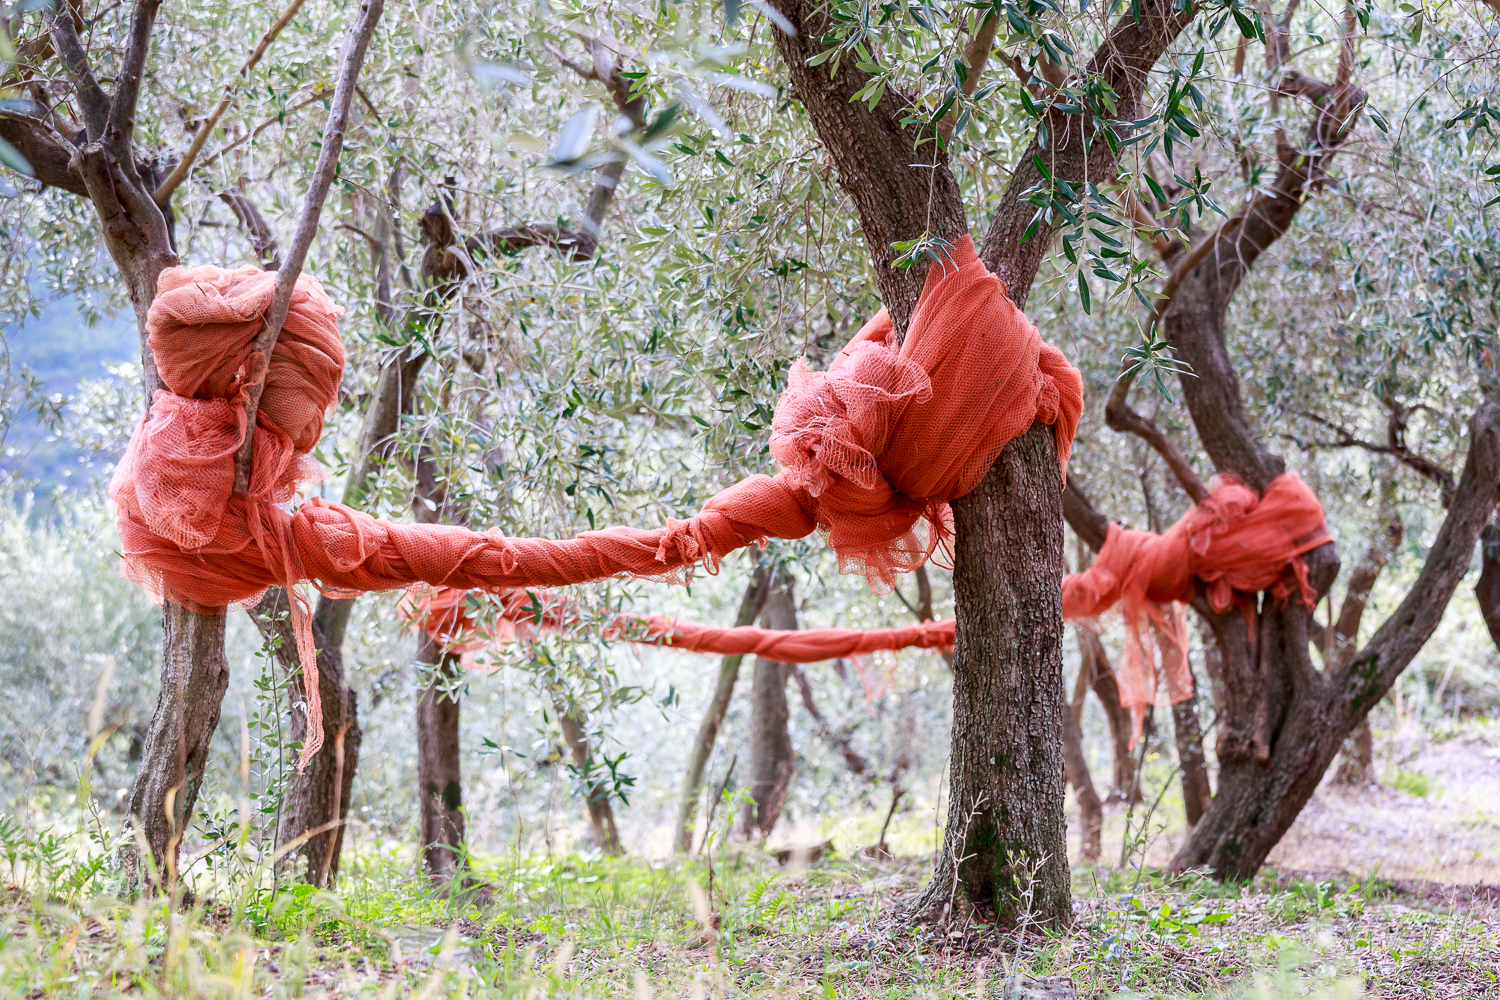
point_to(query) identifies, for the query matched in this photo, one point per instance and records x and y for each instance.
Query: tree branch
(49, 160)
(93, 105)
(840, 742)
(976, 56)
(262, 239)
(900, 184)
(1085, 520)
(317, 95)
(1123, 62)
(1120, 416)
(355, 45)
(1375, 668)
(1395, 447)
(185, 165)
(1194, 315)
(120, 129)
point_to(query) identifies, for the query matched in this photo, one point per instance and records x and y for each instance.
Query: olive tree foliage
(569, 390)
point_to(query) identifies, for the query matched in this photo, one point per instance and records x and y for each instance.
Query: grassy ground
(578, 926)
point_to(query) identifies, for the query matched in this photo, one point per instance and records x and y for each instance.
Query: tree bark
(1487, 590)
(1196, 789)
(194, 677)
(1107, 690)
(318, 797)
(773, 763)
(751, 603)
(596, 803)
(439, 778)
(1005, 838)
(1076, 771)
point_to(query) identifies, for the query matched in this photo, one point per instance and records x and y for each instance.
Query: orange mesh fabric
(472, 622)
(888, 435)
(880, 442)
(1237, 542)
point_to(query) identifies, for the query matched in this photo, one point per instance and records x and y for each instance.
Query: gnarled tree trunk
(194, 677)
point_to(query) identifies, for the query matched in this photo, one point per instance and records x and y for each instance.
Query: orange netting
(872, 451)
(471, 623)
(1237, 542)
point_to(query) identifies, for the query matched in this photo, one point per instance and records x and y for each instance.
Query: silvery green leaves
(924, 247)
(1153, 357)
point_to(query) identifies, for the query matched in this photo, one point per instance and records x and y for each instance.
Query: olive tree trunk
(751, 603)
(316, 804)
(439, 779)
(1005, 845)
(773, 762)
(899, 182)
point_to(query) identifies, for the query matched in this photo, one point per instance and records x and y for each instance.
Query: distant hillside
(59, 347)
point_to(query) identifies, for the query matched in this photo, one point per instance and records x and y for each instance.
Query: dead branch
(1395, 447)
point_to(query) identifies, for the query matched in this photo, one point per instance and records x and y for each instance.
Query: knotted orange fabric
(872, 451)
(469, 623)
(1235, 541)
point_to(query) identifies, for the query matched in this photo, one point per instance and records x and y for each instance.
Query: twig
(179, 174)
(713, 805)
(273, 120)
(1122, 417)
(356, 43)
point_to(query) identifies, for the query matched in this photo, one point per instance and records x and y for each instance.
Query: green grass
(1412, 783)
(580, 926)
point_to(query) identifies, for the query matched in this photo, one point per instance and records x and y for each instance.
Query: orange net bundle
(1237, 542)
(470, 623)
(872, 451)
